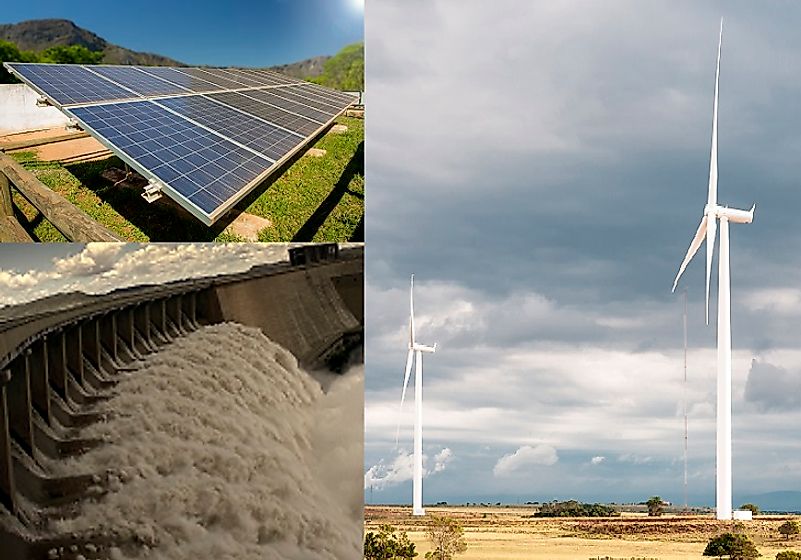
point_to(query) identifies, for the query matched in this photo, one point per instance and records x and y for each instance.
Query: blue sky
(236, 33)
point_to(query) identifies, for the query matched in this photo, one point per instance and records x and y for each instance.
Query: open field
(313, 199)
(496, 533)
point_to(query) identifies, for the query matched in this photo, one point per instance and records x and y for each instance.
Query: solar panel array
(205, 136)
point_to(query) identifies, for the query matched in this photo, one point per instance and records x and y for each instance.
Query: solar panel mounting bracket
(42, 101)
(73, 124)
(152, 191)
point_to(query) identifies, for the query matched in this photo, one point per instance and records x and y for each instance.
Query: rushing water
(222, 447)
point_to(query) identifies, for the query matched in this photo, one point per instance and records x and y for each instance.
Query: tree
(388, 544)
(654, 506)
(447, 537)
(789, 528)
(10, 53)
(73, 54)
(788, 555)
(735, 546)
(754, 508)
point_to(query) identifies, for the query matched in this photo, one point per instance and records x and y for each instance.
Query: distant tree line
(73, 54)
(573, 508)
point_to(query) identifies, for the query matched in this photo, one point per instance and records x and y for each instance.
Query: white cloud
(95, 259)
(441, 460)
(102, 267)
(401, 469)
(597, 460)
(525, 456)
(634, 458)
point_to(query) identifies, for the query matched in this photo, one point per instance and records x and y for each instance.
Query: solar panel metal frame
(205, 217)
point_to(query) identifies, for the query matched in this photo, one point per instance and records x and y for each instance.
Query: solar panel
(285, 119)
(182, 78)
(201, 166)
(135, 80)
(253, 132)
(204, 136)
(275, 99)
(67, 85)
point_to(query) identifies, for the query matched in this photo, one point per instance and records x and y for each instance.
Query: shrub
(447, 537)
(789, 528)
(654, 504)
(735, 546)
(788, 555)
(388, 544)
(754, 508)
(572, 508)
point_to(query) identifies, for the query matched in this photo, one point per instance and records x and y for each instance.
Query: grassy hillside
(345, 70)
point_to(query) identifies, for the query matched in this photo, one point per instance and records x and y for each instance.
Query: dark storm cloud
(773, 388)
(542, 168)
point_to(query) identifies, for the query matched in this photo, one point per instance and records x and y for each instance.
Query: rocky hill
(309, 68)
(40, 34)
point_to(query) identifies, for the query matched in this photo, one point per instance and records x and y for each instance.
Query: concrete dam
(62, 357)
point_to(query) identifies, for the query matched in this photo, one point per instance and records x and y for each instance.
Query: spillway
(208, 452)
(180, 421)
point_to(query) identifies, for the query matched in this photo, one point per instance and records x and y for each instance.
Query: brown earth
(495, 533)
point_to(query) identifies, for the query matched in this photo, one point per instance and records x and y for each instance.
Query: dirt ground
(79, 149)
(495, 533)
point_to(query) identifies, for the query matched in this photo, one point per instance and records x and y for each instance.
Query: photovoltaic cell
(204, 168)
(267, 96)
(254, 133)
(232, 78)
(68, 84)
(295, 123)
(210, 77)
(138, 81)
(253, 77)
(183, 79)
(339, 97)
(292, 93)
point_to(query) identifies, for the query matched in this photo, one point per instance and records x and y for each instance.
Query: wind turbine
(713, 212)
(415, 355)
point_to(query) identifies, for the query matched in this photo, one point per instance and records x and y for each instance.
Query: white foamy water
(225, 449)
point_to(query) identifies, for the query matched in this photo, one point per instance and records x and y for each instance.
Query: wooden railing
(73, 223)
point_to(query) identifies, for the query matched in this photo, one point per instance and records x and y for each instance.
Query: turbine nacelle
(423, 348)
(734, 215)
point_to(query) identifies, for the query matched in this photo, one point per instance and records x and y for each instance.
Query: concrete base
(248, 226)
(742, 515)
(338, 129)
(315, 152)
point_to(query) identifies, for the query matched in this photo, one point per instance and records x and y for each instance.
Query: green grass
(319, 199)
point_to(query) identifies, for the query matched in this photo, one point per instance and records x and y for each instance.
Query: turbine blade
(408, 371)
(694, 244)
(711, 230)
(712, 199)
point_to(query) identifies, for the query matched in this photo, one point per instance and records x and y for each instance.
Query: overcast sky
(541, 167)
(26, 274)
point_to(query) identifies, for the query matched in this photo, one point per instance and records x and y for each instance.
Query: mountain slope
(309, 68)
(40, 34)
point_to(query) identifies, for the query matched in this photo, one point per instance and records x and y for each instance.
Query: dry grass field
(510, 533)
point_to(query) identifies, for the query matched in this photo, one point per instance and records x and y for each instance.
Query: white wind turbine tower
(415, 355)
(707, 228)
